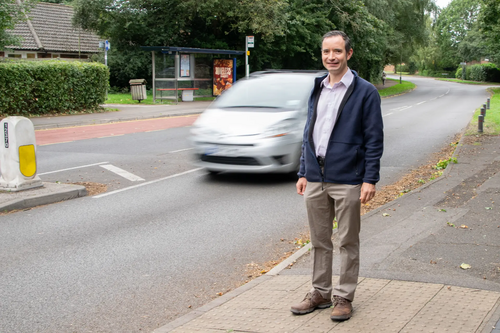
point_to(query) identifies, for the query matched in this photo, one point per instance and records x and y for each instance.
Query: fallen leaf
(465, 266)
(463, 226)
(385, 215)
(450, 224)
(449, 288)
(442, 210)
(488, 208)
(433, 262)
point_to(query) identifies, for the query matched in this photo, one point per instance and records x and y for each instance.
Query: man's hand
(301, 185)
(367, 192)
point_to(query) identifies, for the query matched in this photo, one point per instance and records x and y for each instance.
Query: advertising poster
(223, 75)
(184, 65)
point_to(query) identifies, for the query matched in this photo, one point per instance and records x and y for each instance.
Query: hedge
(480, 72)
(55, 86)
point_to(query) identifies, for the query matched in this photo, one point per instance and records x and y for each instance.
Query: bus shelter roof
(172, 49)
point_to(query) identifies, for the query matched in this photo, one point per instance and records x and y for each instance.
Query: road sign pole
(247, 70)
(107, 46)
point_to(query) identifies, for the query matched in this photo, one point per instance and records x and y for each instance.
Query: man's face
(334, 55)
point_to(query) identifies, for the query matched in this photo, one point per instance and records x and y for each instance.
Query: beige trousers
(324, 202)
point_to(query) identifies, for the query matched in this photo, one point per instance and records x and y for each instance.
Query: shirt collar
(346, 79)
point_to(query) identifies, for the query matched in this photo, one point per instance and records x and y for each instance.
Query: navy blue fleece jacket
(356, 143)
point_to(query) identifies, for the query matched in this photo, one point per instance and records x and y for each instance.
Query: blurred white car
(256, 126)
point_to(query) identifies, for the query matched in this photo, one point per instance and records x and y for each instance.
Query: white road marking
(178, 151)
(385, 115)
(146, 183)
(421, 103)
(121, 172)
(405, 108)
(400, 108)
(78, 167)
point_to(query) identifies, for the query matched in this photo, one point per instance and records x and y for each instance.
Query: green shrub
(477, 73)
(42, 87)
(484, 73)
(441, 73)
(402, 68)
(412, 67)
(458, 73)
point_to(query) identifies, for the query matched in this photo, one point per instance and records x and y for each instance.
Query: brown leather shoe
(342, 309)
(311, 302)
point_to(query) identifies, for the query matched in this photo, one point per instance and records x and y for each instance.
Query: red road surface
(68, 134)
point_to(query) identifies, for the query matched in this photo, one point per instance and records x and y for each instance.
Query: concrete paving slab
(47, 194)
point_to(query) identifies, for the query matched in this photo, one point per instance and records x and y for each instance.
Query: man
(339, 167)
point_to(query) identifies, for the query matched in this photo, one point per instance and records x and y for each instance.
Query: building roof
(50, 29)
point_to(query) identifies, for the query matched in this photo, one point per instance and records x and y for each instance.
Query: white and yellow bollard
(18, 155)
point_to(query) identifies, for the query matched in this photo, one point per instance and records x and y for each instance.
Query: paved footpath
(411, 280)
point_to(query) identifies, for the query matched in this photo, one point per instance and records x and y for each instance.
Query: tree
(11, 12)
(489, 27)
(458, 37)
(220, 24)
(287, 32)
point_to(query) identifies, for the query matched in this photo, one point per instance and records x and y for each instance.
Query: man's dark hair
(339, 33)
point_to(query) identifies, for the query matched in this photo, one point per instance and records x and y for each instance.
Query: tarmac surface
(411, 279)
(411, 252)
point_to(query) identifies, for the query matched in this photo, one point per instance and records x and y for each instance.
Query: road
(148, 251)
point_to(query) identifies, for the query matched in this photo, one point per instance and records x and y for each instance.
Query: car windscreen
(273, 91)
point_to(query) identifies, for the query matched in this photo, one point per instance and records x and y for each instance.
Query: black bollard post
(488, 103)
(480, 120)
(483, 112)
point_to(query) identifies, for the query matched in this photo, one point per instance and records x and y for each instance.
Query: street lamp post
(401, 68)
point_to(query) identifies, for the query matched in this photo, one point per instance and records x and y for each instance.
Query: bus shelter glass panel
(164, 66)
(203, 74)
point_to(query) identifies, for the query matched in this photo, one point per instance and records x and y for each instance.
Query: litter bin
(138, 89)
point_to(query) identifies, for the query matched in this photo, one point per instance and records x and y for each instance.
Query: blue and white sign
(107, 46)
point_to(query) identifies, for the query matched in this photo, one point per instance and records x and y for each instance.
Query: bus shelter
(191, 71)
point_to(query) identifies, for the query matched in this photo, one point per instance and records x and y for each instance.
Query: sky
(442, 3)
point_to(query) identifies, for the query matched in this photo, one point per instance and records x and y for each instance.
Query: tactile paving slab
(453, 309)
(380, 306)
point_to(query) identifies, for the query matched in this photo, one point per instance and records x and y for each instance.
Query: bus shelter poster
(223, 75)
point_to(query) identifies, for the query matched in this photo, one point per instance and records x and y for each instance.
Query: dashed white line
(121, 172)
(146, 183)
(405, 108)
(78, 167)
(180, 150)
(385, 115)
(400, 108)
(421, 103)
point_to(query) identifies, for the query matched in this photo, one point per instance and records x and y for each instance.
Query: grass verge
(127, 99)
(468, 82)
(397, 89)
(491, 125)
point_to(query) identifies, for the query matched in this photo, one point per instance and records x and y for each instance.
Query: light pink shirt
(328, 108)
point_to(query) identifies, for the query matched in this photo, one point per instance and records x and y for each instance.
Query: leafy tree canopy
(287, 32)
(11, 13)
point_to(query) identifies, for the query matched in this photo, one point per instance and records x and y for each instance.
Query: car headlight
(202, 130)
(280, 129)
